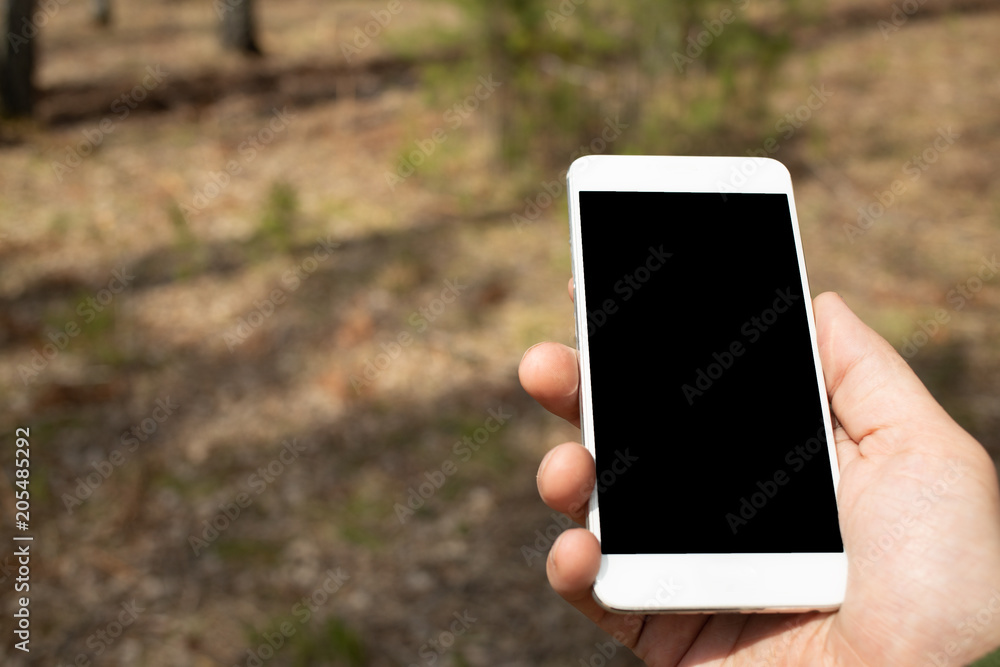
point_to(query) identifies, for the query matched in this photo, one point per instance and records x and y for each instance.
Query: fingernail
(545, 462)
(527, 351)
(576, 376)
(552, 551)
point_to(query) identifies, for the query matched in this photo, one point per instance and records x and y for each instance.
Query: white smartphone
(702, 397)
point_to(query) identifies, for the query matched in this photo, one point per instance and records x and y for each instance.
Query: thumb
(881, 404)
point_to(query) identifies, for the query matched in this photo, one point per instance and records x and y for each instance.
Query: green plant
(276, 228)
(677, 76)
(190, 254)
(991, 660)
(332, 643)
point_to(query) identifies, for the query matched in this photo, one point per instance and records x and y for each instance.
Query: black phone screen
(708, 423)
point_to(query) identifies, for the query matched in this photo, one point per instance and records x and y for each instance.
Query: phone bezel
(698, 582)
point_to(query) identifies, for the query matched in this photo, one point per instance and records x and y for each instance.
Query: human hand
(919, 514)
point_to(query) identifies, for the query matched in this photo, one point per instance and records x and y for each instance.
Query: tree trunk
(17, 57)
(102, 12)
(238, 30)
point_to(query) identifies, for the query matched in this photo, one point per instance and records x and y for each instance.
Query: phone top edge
(668, 173)
(582, 162)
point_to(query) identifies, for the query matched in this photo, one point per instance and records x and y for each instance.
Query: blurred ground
(283, 292)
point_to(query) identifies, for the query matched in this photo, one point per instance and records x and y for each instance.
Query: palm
(914, 492)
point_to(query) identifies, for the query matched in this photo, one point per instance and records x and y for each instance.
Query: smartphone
(702, 397)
